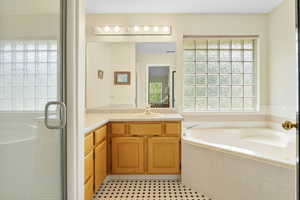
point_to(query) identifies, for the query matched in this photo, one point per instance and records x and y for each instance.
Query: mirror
(130, 75)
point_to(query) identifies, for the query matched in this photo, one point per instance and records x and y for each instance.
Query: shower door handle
(62, 110)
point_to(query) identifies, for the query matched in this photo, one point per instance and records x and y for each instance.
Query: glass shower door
(31, 75)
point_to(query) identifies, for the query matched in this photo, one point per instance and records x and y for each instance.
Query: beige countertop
(95, 120)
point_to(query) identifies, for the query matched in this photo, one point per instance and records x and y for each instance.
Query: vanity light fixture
(133, 30)
(136, 28)
(166, 29)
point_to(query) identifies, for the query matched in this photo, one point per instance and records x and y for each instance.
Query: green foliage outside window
(155, 92)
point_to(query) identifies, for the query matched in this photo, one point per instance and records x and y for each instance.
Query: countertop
(95, 120)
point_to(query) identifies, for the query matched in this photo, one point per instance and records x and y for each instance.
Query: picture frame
(122, 78)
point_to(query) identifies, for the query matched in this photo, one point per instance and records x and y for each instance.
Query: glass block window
(28, 74)
(220, 75)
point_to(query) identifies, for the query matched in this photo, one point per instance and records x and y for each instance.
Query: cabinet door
(88, 189)
(127, 155)
(100, 164)
(88, 143)
(163, 155)
(88, 166)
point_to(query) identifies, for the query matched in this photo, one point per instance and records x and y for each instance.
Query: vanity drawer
(100, 135)
(145, 128)
(173, 129)
(118, 128)
(88, 166)
(88, 143)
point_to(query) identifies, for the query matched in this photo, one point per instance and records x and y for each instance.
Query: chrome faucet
(147, 110)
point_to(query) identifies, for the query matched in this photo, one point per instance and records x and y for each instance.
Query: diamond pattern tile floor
(147, 190)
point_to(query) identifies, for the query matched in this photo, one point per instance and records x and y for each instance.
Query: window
(220, 75)
(28, 74)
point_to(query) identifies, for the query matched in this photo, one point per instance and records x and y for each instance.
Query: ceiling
(181, 6)
(29, 7)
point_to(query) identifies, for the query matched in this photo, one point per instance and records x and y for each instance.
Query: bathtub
(30, 164)
(240, 163)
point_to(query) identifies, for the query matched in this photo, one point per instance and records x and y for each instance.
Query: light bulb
(117, 28)
(146, 28)
(136, 28)
(106, 28)
(155, 28)
(166, 29)
(97, 29)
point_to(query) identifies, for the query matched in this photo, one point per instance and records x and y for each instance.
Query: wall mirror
(133, 75)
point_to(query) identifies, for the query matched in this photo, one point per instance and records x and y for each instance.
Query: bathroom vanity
(145, 147)
(130, 145)
(95, 161)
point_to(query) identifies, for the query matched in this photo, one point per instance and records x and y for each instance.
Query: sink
(149, 115)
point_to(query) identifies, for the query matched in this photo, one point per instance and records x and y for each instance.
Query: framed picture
(122, 78)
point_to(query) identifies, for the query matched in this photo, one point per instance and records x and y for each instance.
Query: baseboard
(143, 177)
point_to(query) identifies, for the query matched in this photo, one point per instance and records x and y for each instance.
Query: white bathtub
(30, 162)
(240, 163)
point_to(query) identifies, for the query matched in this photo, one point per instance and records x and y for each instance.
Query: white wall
(29, 27)
(98, 58)
(142, 62)
(191, 24)
(283, 61)
(123, 59)
(30, 19)
(109, 57)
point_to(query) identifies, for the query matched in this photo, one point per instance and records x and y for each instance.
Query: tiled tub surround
(240, 163)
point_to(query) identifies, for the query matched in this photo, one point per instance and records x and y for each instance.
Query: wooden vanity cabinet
(128, 155)
(146, 148)
(95, 161)
(151, 147)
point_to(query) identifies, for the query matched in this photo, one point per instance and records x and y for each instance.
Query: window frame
(256, 84)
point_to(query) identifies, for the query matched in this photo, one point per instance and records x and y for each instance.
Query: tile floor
(146, 190)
